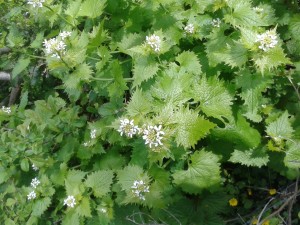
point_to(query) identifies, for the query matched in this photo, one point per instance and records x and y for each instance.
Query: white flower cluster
(70, 201)
(216, 22)
(36, 3)
(267, 40)
(128, 128)
(56, 46)
(258, 10)
(93, 134)
(31, 195)
(139, 188)
(34, 167)
(34, 183)
(6, 109)
(153, 135)
(154, 42)
(190, 29)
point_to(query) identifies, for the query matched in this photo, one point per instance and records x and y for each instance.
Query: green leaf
(281, 128)
(118, 87)
(190, 127)
(73, 182)
(21, 65)
(139, 105)
(40, 206)
(84, 208)
(236, 55)
(100, 182)
(189, 62)
(214, 99)
(239, 132)
(25, 165)
(203, 173)
(82, 73)
(292, 158)
(92, 8)
(144, 69)
(243, 15)
(270, 59)
(71, 218)
(253, 157)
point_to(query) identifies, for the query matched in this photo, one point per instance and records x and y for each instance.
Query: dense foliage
(149, 112)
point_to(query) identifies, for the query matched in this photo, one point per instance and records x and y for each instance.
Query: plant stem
(112, 79)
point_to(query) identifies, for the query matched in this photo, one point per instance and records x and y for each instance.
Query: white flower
(35, 182)
(36, 3)
(34, 167)
(93, 134)
(139, 188)
(103, 210)
(153, 135)
(154, 42)
(85, 144)
(189, 28)
(6, 109)
(128, 128)
(65, 34)
(258, 10)
(54, 47)
(216, 22)
(267, 40)
(31, 195)
(70, 201)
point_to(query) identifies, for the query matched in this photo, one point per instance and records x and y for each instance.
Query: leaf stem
(111, 79)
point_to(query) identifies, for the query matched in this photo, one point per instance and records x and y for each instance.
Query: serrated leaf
(239, 132)
(21, 65)
(129, 174)
(84, 208)
(292, 157)
(235, 55)
(243, 15)
(82, 73)
(189, 62)
(281, 127)
(40, 206)
(73, 8)
(71, 218)
(92, 8)
(73, 182)
(118, 87)
(253, 157)
(203, 173)
(100, 182)
(270, 59)
(129, 41)
(139, 104)
(144, 69)
(214, 99)
(190, 127)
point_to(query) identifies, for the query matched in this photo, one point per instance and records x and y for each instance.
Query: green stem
(111, 79)
(60, 16)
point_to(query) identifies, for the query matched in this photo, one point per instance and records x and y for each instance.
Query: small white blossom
(85, 144)
(128, 128)
(154, 42)
(35, 182)
(34, 167)
(139, 188)
(54, 47)
(93, 134)
(153, 135)
(65, 34)
(267, 40)
(36, 3)
(216, 22)
(6, 109)
(70, 201)
(31, 195)
(258, 10)
(103, 210)
(190, 29)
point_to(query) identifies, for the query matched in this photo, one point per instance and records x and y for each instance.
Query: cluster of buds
(267, 40)
(6, 109)
(56, 46)
(154, 42)
(189, 29)
(216, 22)
(139, 188)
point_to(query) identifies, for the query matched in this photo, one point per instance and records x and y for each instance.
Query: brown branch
(14, 94)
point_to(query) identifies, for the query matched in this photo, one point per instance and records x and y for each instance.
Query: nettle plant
(132, 110)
